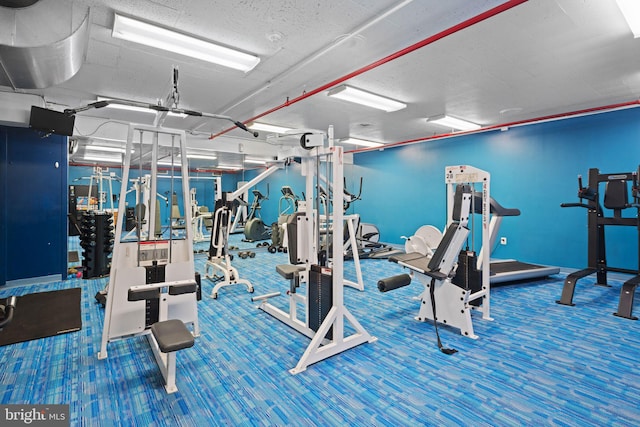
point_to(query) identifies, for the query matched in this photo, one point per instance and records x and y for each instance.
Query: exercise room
(332, 213)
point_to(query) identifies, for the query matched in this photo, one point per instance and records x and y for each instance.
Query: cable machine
(152, 286)
(324, 311)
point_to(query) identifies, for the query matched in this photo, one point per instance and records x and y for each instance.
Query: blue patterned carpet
(538, 363)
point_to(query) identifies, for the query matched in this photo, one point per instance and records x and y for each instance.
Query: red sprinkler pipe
(458, 27)
(559, 116)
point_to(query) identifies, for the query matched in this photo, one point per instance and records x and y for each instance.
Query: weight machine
(437, 267)
(219, 258)
(152, 286)
(616, 200)
(324, 312)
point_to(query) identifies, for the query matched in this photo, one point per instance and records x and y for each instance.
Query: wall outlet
(503, 240)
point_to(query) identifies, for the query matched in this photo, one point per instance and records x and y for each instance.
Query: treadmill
(508, 270)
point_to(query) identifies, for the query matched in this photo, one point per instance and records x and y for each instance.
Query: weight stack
(320, 297)
(96, 240)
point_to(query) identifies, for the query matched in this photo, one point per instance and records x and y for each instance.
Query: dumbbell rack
(96, 240)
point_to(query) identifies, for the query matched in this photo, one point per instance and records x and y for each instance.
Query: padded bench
(169, 335)
(172, 335)
(291, 273)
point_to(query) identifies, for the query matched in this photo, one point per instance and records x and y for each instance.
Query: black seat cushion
(289, 270)
(172, 335)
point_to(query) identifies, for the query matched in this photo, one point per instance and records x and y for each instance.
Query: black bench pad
(172, 335)
(289, 270)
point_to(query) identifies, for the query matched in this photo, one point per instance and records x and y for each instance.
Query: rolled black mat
(394, 282)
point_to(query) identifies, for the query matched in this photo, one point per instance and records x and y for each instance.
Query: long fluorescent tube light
(103, 159)
(141, 32)
(264, 127)
(106, 149)
(631, 11)
(348, 93)
(453, 123)
(362, 142)
(255, 161)
(233, 168)
(200, 156)
(125, 107)
(167, 163)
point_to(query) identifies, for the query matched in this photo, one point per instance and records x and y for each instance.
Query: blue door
(33, 204)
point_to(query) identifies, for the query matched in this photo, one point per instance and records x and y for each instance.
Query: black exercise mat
(43, 314)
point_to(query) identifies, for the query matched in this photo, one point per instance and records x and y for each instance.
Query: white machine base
(230, 275)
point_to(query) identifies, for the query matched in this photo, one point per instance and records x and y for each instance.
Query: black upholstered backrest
(616, 195)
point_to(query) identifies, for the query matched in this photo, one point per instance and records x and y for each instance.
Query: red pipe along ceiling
(461, 26)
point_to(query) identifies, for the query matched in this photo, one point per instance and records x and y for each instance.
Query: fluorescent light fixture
(631, 11)
(168, 163)
(141, 32)
(348, 93)
(264, 127)
(180, 115)
(233, 168)
(362, 142)
(200, 156)
(106, 149)
(125, 107)
(453, 123)
(104, 159)
(255, 161)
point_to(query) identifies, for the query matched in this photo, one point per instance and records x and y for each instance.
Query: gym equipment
(240, 210)
(287, 205)
(368, 244)
(325, 313)
(42, 315)
(255, 229)
(96, 240)
(437, 268)
(142, 188)
(219, 257)
(502, 271)
(6, 311)
(152, 288)
(246, 254)
(425, 240)
(616, 199)
(394, 282)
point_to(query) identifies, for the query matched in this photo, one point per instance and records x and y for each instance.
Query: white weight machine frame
(125, 318)
(221, 260)
(454, 303)
(320, 347)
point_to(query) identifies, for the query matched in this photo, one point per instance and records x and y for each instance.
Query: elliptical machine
(255, 228)
(287, 206)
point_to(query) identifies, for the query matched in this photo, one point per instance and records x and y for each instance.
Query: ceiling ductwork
(17, 4)
(30, 63)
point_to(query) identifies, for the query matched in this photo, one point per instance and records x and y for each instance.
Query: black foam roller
(394, 282)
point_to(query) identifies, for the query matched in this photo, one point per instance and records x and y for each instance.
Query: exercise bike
(255, 228)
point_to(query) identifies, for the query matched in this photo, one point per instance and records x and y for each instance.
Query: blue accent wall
(533, 168)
